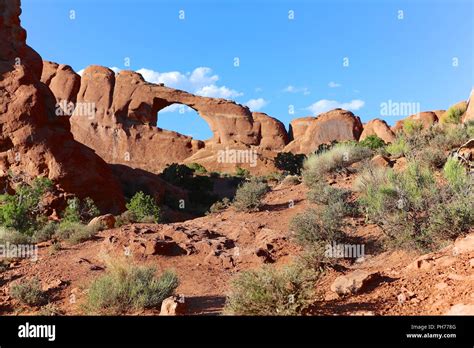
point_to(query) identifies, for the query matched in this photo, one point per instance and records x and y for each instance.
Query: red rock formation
(379, 128)
(33, 142)
(426, 118)
(337, 125)
(469, 114)
(272, 132)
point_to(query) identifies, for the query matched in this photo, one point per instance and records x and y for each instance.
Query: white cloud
(181, 108)
(333, 84)
(256, 104)
(200, 81)
(293, 89)
(325, 105)
(218, 92)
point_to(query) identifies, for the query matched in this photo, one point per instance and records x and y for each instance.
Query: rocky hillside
(104, 213)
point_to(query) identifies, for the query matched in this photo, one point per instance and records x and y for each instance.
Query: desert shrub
(125, 218)
(322, 193)
(177, 174)
(411, 126)
(455, 173)
(80, 210)
(242, 172)
(54, 248)
(325, 147)
(410, 207)
(75, 232)
(46, 232)
(29, 292)
(21, 210)
(271, 291)
(289, 162)
(337, 159)
(9, 235)
(453, 115)
(50, 310)
(398, 148)
(197, 168)
(373, 142)
(219, 205)
(143, 207)
(431, 156)
(128, 287)
(450, 137)
(320, 226)
(249, 195)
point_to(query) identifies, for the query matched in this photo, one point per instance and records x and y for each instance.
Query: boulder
(338, 124)
(107, 221)
(464, 245)
(379, 128)
(354, 282)
(173, 305)
(380, 161)
(461, 309)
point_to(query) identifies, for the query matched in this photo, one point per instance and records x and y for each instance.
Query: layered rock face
(115, 115)
(309, 133)
(34, 142)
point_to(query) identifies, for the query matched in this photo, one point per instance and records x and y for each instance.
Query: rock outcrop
(337, 125)
(469, 114)
(34, 142)
(425, 118)
(379, 128)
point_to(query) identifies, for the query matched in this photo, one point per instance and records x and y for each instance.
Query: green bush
(455, 173)
(75, 232)
(143, 207)
(21, 210)
(197, 168)
(411, 126)
(29, 292)
(177, 174)
(290, 163)
(431, 156)
(319, 226)
(412, 209)
(80, 211)
(219, 206)
(242, 172)
(373, 142)
(126, 287)
(249, 195)
(337, 159)
(9, 235)
(322, 193)
(271, 291)
(46, 232)
(398, 148)
(453, 115)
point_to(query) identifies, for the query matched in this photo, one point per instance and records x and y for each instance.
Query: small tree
(80, 211)
(21, 210)
(289, 162)
(373, 142)
(143, 207)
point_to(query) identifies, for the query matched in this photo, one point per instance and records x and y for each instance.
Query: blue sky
(414, 51)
